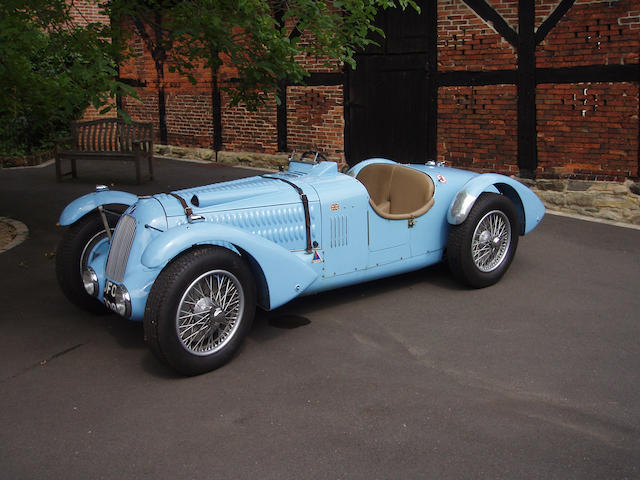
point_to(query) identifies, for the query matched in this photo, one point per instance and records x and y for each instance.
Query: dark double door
(387, 94)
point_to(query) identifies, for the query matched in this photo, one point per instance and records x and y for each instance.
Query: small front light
(122, 301)
(90, 281)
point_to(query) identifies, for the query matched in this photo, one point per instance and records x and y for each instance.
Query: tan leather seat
(397, 192)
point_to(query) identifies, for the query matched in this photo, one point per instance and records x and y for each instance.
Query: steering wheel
(315, 154)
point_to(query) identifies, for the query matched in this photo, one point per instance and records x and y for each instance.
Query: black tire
(186, 300)
(481, 248)
(72, 254)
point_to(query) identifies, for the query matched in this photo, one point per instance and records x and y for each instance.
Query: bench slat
(110, 135)
(109, 139)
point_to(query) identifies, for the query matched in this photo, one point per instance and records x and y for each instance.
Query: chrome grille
(120, 247)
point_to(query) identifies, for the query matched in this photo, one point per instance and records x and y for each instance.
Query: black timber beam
(346, 100)
(216, 112)
(132, 82)
(489, 15)
(431, 12)
(527, 145)
(552, 20)
(580, 74)
(328, 79)
(281, 117)
(590, 73)
(281, 110)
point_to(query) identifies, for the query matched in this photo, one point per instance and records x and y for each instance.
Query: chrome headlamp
(90, 281)
(122, 301)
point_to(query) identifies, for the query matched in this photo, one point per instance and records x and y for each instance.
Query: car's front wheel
(199, 309)
(79, 243)
(482, 247)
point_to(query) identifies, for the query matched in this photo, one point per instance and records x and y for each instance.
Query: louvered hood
(247, 193)
(267, 207)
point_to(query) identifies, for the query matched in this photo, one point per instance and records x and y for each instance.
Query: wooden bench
(107, 139)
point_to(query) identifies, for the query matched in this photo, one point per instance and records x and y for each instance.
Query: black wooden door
(386, 108)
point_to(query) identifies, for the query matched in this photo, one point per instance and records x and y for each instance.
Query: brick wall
(314, 114)
(588, 130)
(315, 117)
(584, 129)
(594, 33)
(466, 42)
(84, 12)
(477, 128)
(249, 131)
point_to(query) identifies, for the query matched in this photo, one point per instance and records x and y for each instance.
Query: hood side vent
(339, 231)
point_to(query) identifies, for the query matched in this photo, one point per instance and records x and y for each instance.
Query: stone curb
(12, 233)
(263, 161)
(209, 162)
(612, 201)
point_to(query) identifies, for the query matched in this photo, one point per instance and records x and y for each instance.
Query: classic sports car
(193, 264)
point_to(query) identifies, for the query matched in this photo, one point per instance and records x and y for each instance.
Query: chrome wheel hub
(209, 312)
(491, 241)
(203, 306)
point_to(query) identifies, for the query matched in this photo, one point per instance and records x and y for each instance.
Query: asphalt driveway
(408, 377)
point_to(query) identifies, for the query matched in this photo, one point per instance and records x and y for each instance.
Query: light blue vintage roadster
(193, 264)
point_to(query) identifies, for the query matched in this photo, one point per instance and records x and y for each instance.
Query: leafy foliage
(259, 40)
(50, 71)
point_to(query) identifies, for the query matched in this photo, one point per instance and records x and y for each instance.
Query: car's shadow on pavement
(271, 325)
(130, 335)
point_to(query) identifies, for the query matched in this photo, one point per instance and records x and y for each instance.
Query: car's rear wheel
(481, 248)
(79, 243)
(199, 309)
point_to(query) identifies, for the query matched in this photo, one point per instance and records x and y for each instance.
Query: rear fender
(529, 207)
(87, 203)
(281, 274)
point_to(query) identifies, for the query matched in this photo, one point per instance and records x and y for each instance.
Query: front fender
(530, 208)
(87, 203)
(286, 275)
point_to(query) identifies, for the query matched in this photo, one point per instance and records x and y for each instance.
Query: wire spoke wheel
(491, 241)
(199, 309)
(208, 312)
(481, 248)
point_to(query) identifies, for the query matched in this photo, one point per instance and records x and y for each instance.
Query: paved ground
(410, 377)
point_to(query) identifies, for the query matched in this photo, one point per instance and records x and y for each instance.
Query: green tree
(259, 39)
(50, 71)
